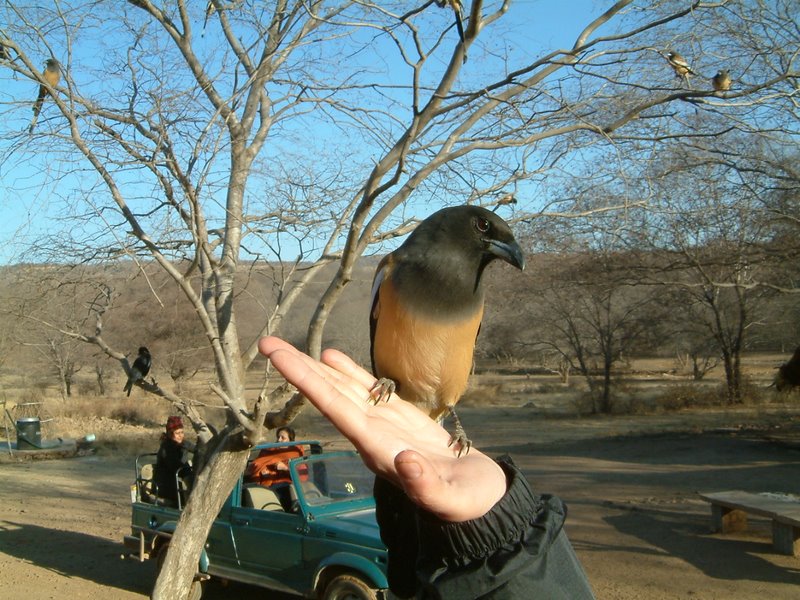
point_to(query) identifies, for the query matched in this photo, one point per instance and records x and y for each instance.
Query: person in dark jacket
(171, 458)
(455, 527)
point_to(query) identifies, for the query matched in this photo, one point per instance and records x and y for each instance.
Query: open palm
(396, 440)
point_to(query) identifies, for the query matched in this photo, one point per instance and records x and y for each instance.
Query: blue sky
(30, 208)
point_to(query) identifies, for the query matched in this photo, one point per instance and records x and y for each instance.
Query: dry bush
(134, 411)
(752, 393)
(583, 403)
(684, 396)
(483, 394)
(128, 445)
(550, 388)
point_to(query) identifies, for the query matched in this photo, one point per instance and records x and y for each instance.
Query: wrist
(504, 521)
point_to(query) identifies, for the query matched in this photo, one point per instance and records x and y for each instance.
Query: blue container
(29, 434)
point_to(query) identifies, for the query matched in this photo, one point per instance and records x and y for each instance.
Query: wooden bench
(729, 513)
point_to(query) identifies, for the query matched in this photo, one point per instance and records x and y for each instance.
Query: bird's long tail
(459, 26)
(37, 107)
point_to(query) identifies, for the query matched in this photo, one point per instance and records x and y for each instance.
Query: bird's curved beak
(509, 252)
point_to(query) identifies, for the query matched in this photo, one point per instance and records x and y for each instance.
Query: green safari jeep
(317, 538)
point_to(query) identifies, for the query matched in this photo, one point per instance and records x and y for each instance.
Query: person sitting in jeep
(271, 467)
(172, 458)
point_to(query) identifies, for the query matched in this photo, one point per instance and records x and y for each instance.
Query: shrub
(683, 396)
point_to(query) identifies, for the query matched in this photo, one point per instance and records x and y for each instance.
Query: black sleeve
(516, 550)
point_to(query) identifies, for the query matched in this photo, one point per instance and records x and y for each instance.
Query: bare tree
(716, 240)
(201, 158)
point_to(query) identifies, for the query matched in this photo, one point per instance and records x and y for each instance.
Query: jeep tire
(348, 587)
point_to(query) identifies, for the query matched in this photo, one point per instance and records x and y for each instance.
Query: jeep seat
(257, 496)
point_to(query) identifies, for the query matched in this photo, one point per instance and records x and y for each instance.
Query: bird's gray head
(441, 263)
(52, 63)
(469, 232)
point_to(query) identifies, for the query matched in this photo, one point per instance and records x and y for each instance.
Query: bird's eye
(482, 224)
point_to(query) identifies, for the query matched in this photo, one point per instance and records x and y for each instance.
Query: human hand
(396, 440)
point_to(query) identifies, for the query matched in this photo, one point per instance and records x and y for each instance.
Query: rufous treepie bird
(427, 305)
(679, 65)
(458, 11)
(52, 75)
(722, 81)
(139, 370)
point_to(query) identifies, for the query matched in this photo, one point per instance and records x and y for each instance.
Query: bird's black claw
(459, 437)
(381, 391)
(462, 442)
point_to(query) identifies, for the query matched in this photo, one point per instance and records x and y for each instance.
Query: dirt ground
(630, 484)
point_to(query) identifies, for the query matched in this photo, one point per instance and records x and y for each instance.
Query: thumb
(419, 479)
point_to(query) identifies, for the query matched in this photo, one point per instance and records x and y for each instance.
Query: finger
(345, 365)
(397, 409)
(320, 385)
(268, 345)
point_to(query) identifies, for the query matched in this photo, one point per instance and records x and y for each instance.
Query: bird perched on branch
(679, 65)
(139, 370)
(427, 305)
(5, 54)
(458, 10)
(722, 81)
(52, 75)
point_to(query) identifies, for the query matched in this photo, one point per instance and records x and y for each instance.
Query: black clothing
(516, 550)
(170, 458)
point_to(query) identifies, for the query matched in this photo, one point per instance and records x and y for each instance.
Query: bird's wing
(384, 268)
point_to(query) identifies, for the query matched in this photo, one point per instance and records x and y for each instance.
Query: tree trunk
(101, 382)
(211, 488)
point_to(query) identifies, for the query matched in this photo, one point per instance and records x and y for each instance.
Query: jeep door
(268, 544)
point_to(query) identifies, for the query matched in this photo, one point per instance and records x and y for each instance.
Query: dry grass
(647, 387)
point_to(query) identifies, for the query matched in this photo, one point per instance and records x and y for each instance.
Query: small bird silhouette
(427, 306)
(722, 81)
(139, 370)
(679, 65)
(52, 75)
(210, 10)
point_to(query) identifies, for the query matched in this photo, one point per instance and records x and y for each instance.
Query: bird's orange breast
(428, 357)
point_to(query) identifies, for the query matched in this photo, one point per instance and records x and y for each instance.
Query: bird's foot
(382, 390)
(459, 439)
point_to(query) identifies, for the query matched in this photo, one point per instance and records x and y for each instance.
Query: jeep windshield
(332, 482)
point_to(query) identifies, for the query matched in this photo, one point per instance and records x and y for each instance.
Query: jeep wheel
(348, 587)
(196, 589)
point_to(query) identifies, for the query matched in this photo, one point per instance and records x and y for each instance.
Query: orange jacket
(264, 469)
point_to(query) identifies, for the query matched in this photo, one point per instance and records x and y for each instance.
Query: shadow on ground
(678, 534)
(75, 554)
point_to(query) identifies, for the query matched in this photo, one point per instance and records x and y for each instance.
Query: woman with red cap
(172, 458)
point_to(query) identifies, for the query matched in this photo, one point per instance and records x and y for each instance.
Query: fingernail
(409, 469)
